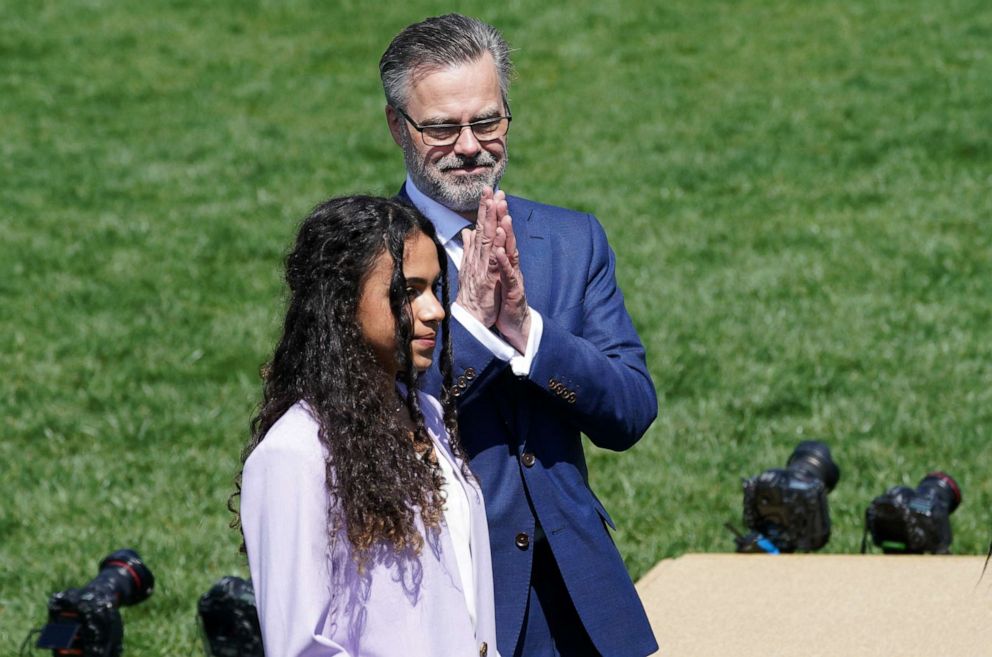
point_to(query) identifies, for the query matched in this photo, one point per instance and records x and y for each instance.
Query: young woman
(365, 532)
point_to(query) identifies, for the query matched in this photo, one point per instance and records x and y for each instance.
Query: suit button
(483, 649)
(470, 374)
(522, 541)
(528, 459)
(571, 398)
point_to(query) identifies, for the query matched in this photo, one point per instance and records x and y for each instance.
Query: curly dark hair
(376, 474)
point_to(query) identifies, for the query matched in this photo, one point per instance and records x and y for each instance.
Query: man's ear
(396, 124)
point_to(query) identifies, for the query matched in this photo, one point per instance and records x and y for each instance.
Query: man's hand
(479, 274)
(513, 320)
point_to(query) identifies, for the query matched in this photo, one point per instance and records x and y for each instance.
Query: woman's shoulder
(433, 414)
(295, 436)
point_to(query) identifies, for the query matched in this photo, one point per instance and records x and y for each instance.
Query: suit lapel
(534, 247)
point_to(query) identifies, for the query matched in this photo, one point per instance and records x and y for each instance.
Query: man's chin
(459, 178)
(464, 195)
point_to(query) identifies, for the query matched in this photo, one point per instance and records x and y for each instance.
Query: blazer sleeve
(599, 379)
(472, 357)
(284, 506)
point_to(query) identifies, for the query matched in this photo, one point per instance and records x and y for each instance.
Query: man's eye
(412, 292)
(486, 127)
(441, 131)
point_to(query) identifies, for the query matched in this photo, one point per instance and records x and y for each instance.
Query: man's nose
(467, 144)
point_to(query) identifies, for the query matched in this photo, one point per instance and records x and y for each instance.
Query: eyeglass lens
(443, 135)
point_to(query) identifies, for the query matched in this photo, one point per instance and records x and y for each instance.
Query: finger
(507, 272)
(502, 209)
(493, 218)
(487, 195)
(468, 247)
(499, 242)
(485, 201)
(491, 221)
(494, 254)
(511, 239)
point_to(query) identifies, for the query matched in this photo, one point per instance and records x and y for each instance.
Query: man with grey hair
(544, 349)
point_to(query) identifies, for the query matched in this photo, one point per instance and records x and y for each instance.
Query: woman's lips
(426, 342)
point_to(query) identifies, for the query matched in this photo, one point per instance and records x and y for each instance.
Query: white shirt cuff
(519, 363)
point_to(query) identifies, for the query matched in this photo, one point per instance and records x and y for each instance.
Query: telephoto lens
(86, 622)
(788, 507)
(812, 458)
(908, 521)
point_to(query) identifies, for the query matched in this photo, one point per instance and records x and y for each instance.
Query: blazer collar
(534, 245)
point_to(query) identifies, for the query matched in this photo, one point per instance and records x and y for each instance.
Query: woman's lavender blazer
(311, 598)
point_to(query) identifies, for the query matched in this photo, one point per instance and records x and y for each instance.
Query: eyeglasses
(446, 134)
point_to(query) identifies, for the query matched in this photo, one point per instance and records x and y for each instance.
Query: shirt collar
(447, 222)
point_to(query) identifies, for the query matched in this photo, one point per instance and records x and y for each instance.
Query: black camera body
(87, 621)
(788, 506)
(229, 619)
(908, 521)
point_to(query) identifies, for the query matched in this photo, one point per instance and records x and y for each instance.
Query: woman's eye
(412, 292)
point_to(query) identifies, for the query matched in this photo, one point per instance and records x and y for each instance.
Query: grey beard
(458, 194)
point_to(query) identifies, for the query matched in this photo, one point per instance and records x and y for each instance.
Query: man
(544, 348)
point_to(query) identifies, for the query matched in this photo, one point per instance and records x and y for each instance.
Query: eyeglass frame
(461, 126)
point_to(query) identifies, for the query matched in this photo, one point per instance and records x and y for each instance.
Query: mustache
(457, 161)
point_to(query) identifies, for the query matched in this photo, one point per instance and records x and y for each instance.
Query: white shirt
(459, 521)
(449, 225)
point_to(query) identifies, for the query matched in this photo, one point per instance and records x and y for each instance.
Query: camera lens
(127, 576)
(943, 487)
(812, 458)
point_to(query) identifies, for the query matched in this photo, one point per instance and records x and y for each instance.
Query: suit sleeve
(474, 359)
(284, 518)
(599, 378)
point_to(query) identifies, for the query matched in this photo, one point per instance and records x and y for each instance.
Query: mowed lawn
(798, 194)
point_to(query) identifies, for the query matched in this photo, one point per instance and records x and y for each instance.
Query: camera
(908, 521)
(229, 620)
(87, 621)
(788, 507)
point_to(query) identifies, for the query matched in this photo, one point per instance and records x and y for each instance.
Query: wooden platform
(739, 605)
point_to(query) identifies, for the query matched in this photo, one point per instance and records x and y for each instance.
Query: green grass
(796, 193)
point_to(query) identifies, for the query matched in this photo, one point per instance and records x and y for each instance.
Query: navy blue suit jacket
(523, 434)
